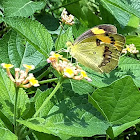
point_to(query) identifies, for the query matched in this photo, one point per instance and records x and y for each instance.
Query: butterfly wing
(102, 58)
(100, 29)
(99, 48)
(114, 39)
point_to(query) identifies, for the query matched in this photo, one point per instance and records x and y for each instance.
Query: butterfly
(99, 48)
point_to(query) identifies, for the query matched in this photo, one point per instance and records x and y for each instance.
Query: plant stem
(107, 137)
(64, 5)
(15, 109)
(48, 98)
(26, 133)
(43, 74)
(57, 41)
(48, 81)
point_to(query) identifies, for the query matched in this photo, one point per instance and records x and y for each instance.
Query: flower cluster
(130, 48)
(66, 68)
(22, 78)
(67, 19)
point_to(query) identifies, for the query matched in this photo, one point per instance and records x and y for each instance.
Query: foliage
(62, 108)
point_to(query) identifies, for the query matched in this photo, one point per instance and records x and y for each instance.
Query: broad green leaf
(131, 26)
(121, 10)
(126, 66)
(2, 124)
(130, 66)
(117, 130)
(49, 21)
(34, 32)
(7, 98)
(99, 79)
(5, 134)
(135, 4)
(32, 57)
(63, 38)
(119, 102)
(80, 87)
(23, 8)
(121, 15)
(40, 99)
(15, 50)
(5, 122)
(77, 30)
(133, 40)
(67, 117)
(43, 136)
(75, 138)
(133, 22)
(84, 10)
(107, 16)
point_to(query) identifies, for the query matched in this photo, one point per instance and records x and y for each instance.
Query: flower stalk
(48, 81)
(48, 98)
(15, 109)
(56, 46)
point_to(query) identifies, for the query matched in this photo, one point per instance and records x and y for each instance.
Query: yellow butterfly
(98, 48)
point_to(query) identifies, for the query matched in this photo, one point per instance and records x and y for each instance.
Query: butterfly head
(69, 45)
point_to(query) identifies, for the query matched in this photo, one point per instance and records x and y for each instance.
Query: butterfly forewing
(105, 29)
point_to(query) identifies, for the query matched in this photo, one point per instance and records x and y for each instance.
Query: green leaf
(121, 10)
(119, 102)
(107, 17)
(2, 124)
(84, 10)
(80, 87)
(34, 32)
(5, 134)
(131, 67)
(23, 8)
(131, 26)
(135, 4)
(43, 136)
(133, 22)
(133, 40)
(40, 99)
(99, 79)
(63, 38)
(77, 30)
(117, 130)
(7, 98)
(5, 122)
(49, 21)
(15, 50)
(67, 117)
(126, 66)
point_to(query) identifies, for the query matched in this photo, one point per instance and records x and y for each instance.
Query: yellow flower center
(56, 55)
(33, 81)
(128, 49)
(83, 73)
(7, 65)
(31, 67)
(69, 72)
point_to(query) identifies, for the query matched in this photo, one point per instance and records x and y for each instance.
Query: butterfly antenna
(61, 50)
